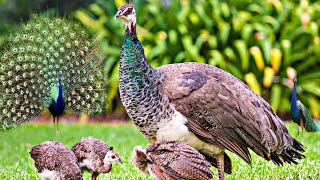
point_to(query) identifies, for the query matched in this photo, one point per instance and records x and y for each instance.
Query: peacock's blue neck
(295, 112)
(138, 83)
(60, 104)
(57, 105)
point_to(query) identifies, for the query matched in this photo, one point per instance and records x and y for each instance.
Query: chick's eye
(113, 156)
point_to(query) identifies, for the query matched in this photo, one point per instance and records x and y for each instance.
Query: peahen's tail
(289, 154)
(32, 57)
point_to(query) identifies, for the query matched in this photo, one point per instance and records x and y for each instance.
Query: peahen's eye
(113, 156)
(129, 10)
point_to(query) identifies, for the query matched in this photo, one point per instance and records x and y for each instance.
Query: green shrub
(261, 42)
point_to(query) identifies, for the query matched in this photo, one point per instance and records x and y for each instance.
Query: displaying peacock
(199, 105)
(300, 113)
(53, 63)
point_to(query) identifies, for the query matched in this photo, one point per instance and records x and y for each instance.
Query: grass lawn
(15, 162)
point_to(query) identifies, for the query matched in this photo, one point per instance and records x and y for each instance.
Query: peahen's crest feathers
(32, 58)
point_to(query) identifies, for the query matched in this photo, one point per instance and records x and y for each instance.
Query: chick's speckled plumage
(92, 155)
(167, 159)
(55, 161)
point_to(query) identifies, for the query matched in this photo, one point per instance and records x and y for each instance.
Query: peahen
(300, 113)
(55, 161)
(199, 105)
(167, 159)
(41, 57)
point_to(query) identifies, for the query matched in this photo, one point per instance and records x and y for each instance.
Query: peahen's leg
(220, 165)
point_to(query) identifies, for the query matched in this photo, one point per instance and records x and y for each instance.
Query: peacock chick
(199, 105)
(300, 114)
(55, 161)
(49, 62)
(95, 156)
(168, 159)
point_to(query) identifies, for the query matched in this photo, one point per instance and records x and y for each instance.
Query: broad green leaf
(242, 49)
(275, 97)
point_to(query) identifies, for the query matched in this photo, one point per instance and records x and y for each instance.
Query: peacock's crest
(33, 57)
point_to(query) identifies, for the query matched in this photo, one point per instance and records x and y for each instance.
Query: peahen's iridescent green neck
(138, 87)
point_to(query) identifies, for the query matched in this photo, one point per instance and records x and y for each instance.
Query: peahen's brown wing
(222, 110)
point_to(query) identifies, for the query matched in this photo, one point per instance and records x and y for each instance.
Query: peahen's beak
(117, 15)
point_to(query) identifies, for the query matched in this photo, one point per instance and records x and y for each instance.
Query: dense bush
(264, 43)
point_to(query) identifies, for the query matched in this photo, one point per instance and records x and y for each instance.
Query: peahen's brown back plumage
(54, 160)
(167, 159)
(224, 111)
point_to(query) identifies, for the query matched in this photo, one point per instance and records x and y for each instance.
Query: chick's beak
(117, 15)
(119, 160)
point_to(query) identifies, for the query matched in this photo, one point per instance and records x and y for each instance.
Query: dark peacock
(199, 105)
(57, 105)
(49, 63)
(300, 113)
(167, 159)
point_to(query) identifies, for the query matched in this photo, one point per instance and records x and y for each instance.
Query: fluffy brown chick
(55, 161)
(167, 159)
(95, 156)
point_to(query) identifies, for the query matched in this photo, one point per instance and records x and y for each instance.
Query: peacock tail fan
(33, 57)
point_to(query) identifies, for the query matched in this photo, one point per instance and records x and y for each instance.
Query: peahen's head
(127, 14)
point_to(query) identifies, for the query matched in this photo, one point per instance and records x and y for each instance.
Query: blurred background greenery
(265, 43)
